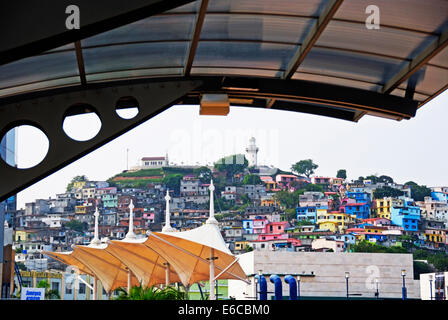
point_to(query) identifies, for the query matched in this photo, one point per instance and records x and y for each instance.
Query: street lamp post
(298, 287)
(404, 294)
(258, 286)
(347, 276)
(430, 285)
(377, 291)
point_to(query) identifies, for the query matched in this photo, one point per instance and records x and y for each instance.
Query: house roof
(152, 158)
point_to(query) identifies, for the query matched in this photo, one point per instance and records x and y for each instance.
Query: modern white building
(322, 274)
(434, 286)
(252, 151)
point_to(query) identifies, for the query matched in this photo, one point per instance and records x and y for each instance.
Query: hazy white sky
(407, 150)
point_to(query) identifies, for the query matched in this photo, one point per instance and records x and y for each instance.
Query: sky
(405, 150)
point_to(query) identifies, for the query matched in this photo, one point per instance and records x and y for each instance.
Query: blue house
(407, 215)
(361, 209)
(377, 236)
(359, 196)
(440, 196)
(248, 226)
(308, 213)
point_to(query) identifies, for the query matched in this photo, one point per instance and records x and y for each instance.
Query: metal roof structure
(311, 56)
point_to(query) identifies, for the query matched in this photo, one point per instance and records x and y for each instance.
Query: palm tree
(49, 294)
(151, 293)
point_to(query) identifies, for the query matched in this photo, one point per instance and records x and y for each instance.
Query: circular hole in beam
(81, 122)
(127, 107)
(24, 146)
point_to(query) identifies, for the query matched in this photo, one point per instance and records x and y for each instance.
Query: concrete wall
(329, 273)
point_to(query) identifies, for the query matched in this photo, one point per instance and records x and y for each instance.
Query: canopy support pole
(226, 268)
(95, 280)
(212, 275)
(129, 281)
(167, 274)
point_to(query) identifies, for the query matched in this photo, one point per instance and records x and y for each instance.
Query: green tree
(76, 225)
(49, 294)
(252, 179)
(305, 167)
(151, 293)
(421, 267)
(245, 199)
(385, 179)
(204, 174)
(232, 165)
(287, 199)
(248, 248)
(342, 173)
(75, 179)
(418, 193)
(373, 178)
(313, 187)
(172, 182)
(386, 191)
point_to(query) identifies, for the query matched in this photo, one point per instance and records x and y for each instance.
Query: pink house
(277, 227)
(259, 225)
(149, 217)
(272, 236)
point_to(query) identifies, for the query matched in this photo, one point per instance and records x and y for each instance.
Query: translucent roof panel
(256, 28)
(386, 41)
(282, 7)
(243, 55)
(352, 65)
(431, 78)
(158, 28)
(134, 56)
(422, 15)
(440, 59)
(44, 67)
(337, 81)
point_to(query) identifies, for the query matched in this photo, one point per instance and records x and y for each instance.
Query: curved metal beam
(47, 113)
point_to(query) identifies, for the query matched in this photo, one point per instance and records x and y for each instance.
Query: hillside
(140, 178)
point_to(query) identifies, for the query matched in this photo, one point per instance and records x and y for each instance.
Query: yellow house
(24, 235)
(332, 220)
(384, 206)
(88, 193)
(80, 209)
(79, 184)
(240, 245)
(268, 202)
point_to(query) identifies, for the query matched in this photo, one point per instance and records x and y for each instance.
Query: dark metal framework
(47, 112)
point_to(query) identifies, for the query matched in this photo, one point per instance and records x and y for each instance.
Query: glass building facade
(8, 154)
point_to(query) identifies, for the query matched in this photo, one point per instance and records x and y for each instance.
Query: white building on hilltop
(153, 162)
(252, 151)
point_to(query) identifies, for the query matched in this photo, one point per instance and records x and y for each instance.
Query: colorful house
(109, 200)
(360, 210)
(440, 196)
(359, 196)
(406, 216)
(277, 227)
(383, 206)
(333, 220)
(248, 226)
(307, 213)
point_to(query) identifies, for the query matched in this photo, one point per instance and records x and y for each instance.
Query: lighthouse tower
(252, 151)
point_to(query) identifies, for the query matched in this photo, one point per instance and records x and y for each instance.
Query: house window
(82, 288)
(55, 286)
(68, 290)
